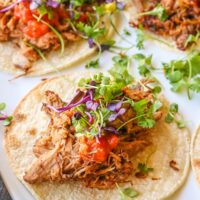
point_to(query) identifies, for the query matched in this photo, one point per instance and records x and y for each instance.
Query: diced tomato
(101, 149)
(98, 150)
(113, 140)
(54, 21)
(83, 18)
(36, 29)
(23, 12)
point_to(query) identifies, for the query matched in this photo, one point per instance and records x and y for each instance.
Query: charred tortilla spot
(196, 162)
(13, 142)
(173, 165)
(32, 131)
(19, 117)
(140, 175)
(155, 178)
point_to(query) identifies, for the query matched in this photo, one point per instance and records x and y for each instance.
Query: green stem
(130, 120)
(62, 42)
(115, 29)
(40, 53)
(189, 78)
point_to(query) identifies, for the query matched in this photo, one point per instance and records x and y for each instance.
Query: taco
(39, 37)
(84, 142)
(175, 21)
(195, 159)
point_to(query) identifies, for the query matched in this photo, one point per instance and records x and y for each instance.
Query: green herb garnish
(4, 118)
(159, 11)
(183, 74)
(192, 39)
(144, 64)
(144, 169)
(172, 116)
(127, 193)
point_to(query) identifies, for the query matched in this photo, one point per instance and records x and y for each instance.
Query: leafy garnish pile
(184, 74)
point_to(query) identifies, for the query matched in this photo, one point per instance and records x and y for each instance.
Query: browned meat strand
(183, 20)
(58, 153)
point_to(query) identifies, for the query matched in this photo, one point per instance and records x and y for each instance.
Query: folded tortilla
(195, 155)
(169, 143)
(12, 60)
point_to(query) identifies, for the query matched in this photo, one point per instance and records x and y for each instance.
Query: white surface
(13, 91)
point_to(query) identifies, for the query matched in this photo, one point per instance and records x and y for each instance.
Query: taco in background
(195, 158)
(85, 140)
(176, 21)
(39, 37)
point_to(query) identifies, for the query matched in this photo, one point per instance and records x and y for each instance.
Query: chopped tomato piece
(53, 21)
(36, 29)
(113, 140)
(23, 12)
(83, 18)
(98, 150)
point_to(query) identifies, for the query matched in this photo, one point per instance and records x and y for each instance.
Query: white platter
(13, 91)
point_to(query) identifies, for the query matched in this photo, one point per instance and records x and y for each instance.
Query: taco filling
(177, 19)
(38, 27)
(93, 138)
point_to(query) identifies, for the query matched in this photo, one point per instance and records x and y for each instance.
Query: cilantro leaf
(120, 70)
(159, 11)
(92, 64)
(144, 169)
(141, 37)
(147, 123)
(183, 74)
(8, 120)
(127, 193)
(144, 64)
(2, 106)
(4, 118)
(172, 116)
(192, 39)
(195, 85)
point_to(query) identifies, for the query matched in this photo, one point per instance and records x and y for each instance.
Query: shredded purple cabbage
(89, 116)
(105, 47)
(115, 115)
(10, 6)
(52, 3)
(112, 130)
(92, 105)
(120, 5)
(71, 13)
(99, 131)
(109, 1)
(2, 118)
(115, 106)
(91, 42)
(91, 93)
(70, 105)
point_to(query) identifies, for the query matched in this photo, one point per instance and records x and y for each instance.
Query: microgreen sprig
(159, 11)
(127, 193)
(5, 118)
